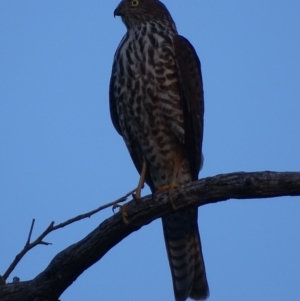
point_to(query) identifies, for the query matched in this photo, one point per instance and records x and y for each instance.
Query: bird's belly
(151, 130)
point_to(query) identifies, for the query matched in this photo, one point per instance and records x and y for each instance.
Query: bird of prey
(157, 106)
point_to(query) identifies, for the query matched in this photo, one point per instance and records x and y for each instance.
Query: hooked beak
(118, 11)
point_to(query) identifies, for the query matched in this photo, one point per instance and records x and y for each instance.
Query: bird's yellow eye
(134, 3)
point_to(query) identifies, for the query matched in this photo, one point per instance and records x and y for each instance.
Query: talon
(124, 214)
(136, 196)
(163, 188)
(170, 188)
(114, 207)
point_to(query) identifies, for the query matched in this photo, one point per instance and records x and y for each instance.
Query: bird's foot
(124, 214)
(137, 195)
(170, 189)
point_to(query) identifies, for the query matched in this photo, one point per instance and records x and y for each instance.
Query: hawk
(157, 106)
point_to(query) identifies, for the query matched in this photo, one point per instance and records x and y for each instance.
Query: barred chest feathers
(147, 68)
(148, 96)
(143, 48)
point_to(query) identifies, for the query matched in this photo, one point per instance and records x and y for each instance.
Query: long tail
(185, 255)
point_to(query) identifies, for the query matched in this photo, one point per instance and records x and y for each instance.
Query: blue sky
(60, 155)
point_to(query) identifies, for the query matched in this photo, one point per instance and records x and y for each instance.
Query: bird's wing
(191, 89)
(113, 102)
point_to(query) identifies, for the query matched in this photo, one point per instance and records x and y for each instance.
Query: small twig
(30, 232)
(17, 259)
(89, 214)
(39, 241)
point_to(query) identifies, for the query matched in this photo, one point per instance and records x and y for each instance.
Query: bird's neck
(154, 27)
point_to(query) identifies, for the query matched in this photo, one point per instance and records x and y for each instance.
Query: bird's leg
(137, 195)
(173, 183)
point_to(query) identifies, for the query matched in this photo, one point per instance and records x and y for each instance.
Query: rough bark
(70, 263)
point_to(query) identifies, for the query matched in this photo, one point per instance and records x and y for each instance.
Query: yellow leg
(173, 183)
(137, 194)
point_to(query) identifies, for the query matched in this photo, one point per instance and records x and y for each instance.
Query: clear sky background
(60, 155)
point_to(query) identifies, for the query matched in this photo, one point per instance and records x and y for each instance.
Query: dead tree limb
(67, 265)
(39, 241)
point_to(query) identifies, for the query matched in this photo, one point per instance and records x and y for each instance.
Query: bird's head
(137, 12)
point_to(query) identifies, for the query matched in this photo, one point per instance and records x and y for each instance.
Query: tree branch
(39, 241)
(67, 265)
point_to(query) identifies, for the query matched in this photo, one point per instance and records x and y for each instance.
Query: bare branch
(54, 280)
(39, 241)
(30, 232)
(90, 213)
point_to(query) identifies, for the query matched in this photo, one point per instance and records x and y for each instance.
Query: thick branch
(73, 261)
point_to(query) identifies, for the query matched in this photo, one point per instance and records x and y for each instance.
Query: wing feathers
(191, 88)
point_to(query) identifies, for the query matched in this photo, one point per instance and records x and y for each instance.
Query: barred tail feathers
(185, 255)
